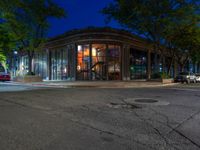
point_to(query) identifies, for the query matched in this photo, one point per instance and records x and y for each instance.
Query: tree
(146, 18)
(7, 43)
(181, 35)
(156, 20)
(28, 21)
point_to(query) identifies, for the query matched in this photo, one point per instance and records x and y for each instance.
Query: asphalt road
(10, 87)
(101, 119)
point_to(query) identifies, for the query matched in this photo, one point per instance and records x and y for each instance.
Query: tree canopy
(173, 24)
(28, 21)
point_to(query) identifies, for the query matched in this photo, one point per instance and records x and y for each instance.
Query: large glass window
(113, 57)
(138, 64)
(156, 66)
(99, 62)
(60, 64)
(65, 65)
(56, 64)
(40, 65)
(83, 62)
(23, 66)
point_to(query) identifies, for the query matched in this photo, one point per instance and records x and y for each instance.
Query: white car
(198, 77)
(187, 77)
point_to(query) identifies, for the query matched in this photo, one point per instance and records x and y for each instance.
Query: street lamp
(14, 63)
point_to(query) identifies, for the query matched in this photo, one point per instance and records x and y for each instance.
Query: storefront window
(83, 62)
(98, 62)
(23, 66)
(40, 65)
(113, 58)
(65, 66)
(156, 66)
(138, 64)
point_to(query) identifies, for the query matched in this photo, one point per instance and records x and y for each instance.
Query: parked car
(4, 76)
(187, 77)
(198, 77)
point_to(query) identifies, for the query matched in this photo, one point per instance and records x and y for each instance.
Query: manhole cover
(146, 100)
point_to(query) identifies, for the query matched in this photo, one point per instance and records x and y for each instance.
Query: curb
(77, 85)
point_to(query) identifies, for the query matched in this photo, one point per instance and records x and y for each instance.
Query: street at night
(100, 118)
(100, 75)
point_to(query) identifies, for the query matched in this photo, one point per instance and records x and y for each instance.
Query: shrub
(164, 75)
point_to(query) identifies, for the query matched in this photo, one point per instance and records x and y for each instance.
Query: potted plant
(30, 77)
(165, 78)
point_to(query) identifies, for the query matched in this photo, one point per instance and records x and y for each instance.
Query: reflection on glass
(104, 64)
(40, 65)
(98, 62)
(138, 64)
(83, 62)
(113, 62)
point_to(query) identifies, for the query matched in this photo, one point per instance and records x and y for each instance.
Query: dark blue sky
(81, 14)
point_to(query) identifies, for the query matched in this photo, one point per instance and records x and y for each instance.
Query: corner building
(95, 54)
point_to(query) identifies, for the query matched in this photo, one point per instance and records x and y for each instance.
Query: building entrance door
(138, 64)
(99, 68)
(114, 62)
(83, 62)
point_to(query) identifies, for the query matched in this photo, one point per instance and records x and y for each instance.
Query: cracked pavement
(100, 119)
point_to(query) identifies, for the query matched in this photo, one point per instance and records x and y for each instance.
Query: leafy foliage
(27, 20)
(171, 24)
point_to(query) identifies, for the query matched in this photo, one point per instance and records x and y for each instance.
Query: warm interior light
(94, 52)
(86, 52)
(78, 67)
(79, 48)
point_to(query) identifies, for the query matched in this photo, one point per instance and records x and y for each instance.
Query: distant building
(96, 54)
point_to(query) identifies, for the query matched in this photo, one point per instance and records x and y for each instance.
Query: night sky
(81, 14)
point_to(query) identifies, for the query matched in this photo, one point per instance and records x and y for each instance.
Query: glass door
(98, 67)
(138, 64)
(113, 58)
(83, 62)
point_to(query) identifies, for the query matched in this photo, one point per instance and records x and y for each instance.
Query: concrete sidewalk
(94, 84)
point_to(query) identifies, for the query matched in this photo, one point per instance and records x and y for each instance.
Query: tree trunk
(182, 67)
(156, 63)
(170, 64)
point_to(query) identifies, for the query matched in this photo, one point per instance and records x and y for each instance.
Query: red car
(4, 77)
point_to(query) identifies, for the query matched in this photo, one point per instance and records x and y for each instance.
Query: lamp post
(14, 62)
